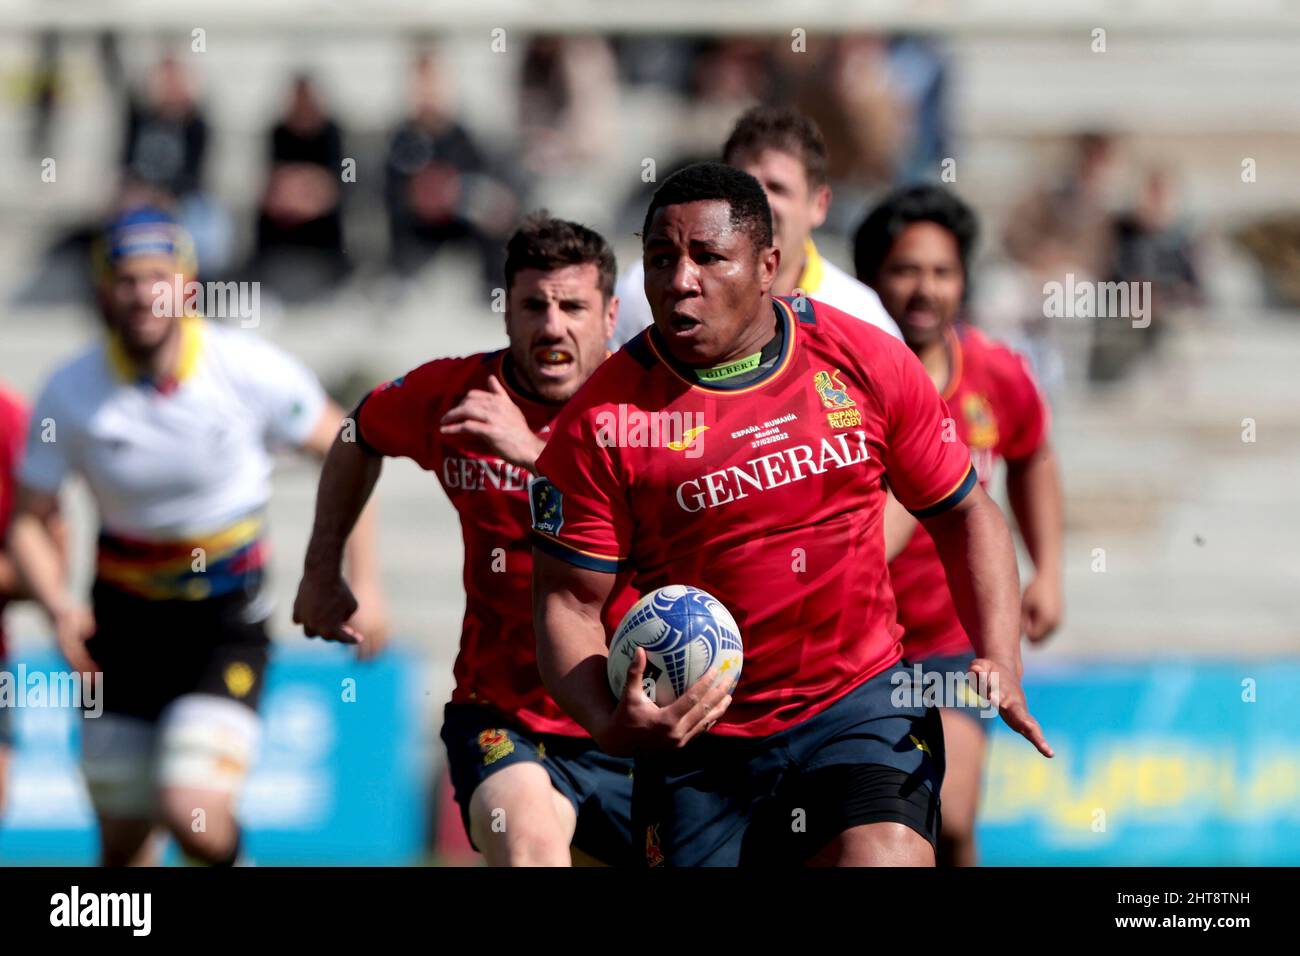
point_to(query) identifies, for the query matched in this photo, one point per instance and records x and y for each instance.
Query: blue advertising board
(342, 775)
(1157, 763)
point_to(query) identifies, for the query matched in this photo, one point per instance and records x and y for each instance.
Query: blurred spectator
(300, 250)
(1066, 227)
(568, 106)
(919, 67)
(439, 186)
(1055, 230)
(852, 95)
(47, 90)
(165, 145)
(1150, 244)
(727, 77)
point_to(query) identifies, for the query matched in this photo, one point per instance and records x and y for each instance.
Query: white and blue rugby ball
(684, 631)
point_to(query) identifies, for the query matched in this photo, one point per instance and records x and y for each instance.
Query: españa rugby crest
(835, 395)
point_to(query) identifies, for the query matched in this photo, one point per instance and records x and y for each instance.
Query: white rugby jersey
(821, 280)
(164, 465)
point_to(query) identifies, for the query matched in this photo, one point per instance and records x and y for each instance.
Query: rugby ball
(684, 631)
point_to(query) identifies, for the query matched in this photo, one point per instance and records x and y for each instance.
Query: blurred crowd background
(366, 173)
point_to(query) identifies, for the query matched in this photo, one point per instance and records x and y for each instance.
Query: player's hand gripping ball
(685, 631)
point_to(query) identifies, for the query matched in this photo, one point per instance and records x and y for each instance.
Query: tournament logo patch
(983, 427)
(547, 506)
(239, 678)
(495, 744)
(835, 395)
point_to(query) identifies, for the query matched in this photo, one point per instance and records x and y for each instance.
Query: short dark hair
(780, 128)
(900, 209)
(705, 182)
(544, 242)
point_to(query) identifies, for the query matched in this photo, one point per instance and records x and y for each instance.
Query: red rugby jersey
(768, 495)
(13, 428)
(998, 413)
(497, 663)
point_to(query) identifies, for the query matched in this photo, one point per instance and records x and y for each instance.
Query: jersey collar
(187, 360)
(789, 329)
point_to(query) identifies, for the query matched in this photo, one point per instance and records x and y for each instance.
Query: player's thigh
(964, 750)
(519, 802)
(206, 747)
(863, 761)
(600, 786)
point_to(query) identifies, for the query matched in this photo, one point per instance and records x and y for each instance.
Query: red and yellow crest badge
(495, 744)
(835, 395)
(981, 425)
(654, 855)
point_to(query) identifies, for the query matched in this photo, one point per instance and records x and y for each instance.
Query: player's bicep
(928, 466)
(561, 585)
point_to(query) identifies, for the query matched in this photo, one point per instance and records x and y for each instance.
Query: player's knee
(515, 819)
(124, 842)
(878, 844)
(201, 823)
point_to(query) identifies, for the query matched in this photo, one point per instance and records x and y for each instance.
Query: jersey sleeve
(287, 393)
(928, 466)
(1024, 420)
(46, 460)
(394, 420)
(579, 500)
(13, 426)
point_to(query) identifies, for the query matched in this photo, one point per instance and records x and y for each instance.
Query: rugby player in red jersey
(800, 413)
(914, 250)
(528, 779)
(13, 430)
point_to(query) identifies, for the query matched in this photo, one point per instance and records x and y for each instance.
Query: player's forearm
(362, 549)
(1034, 488)
(347, 480)
(571, 657)
(38, 561)
(979, 560)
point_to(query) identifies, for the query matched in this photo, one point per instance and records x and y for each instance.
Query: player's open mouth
(552, 360)
(921, 318)
(684, 325)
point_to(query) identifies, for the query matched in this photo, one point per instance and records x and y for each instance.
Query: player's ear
(611, 317)
(769, 260)
(821, 204)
